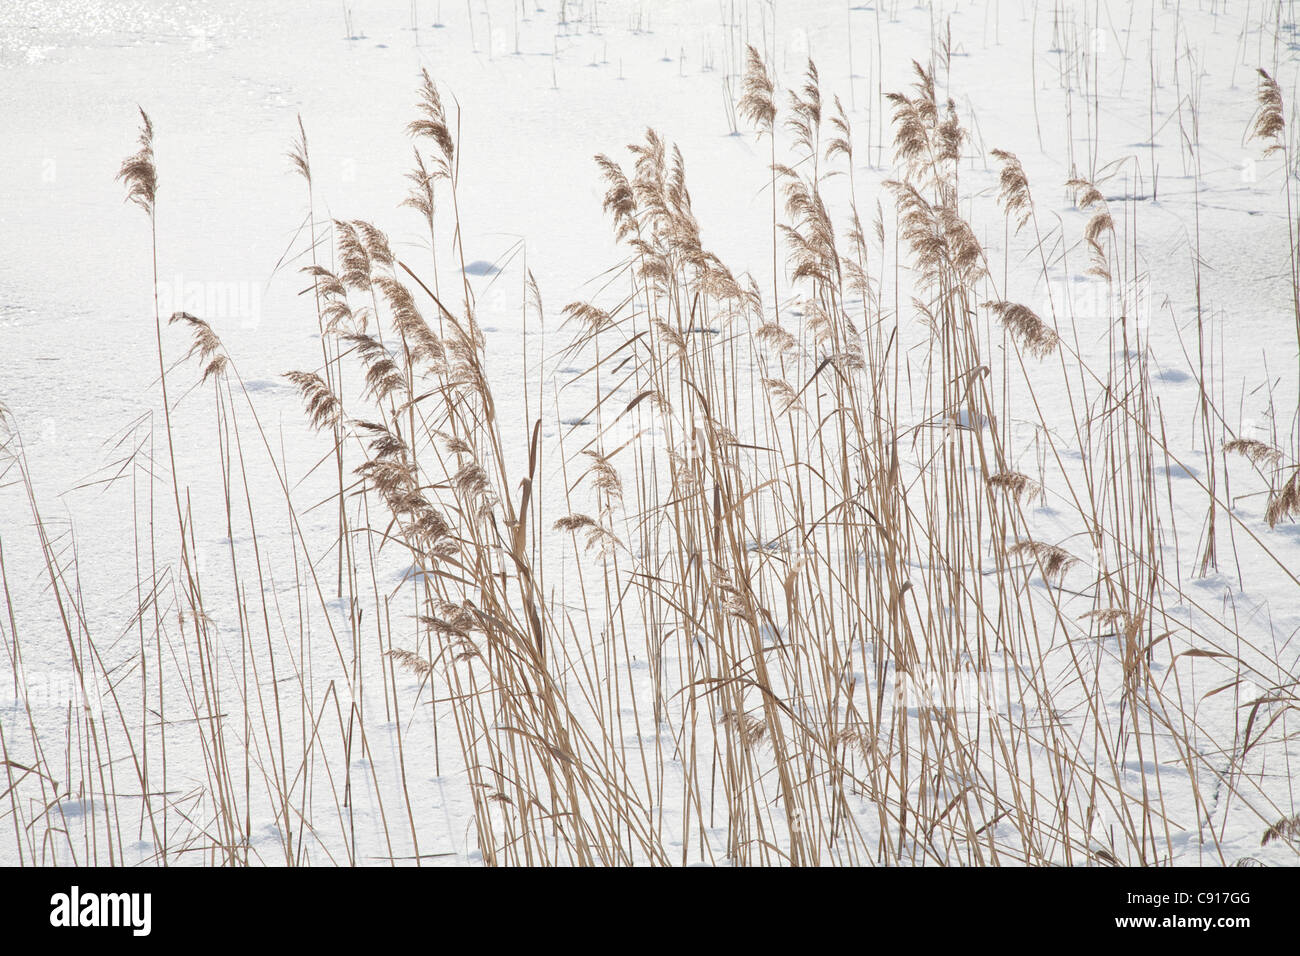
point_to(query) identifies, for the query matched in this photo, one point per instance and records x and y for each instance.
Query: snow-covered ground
(1155, 105)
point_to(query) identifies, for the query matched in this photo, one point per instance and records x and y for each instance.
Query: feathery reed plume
(649, 172)
(914, 121)
(574, 522)
(598, 538)
(374, 242)
(772, 336)
(926, 138)
(757, 104)
(353, 257)
(298, 156)
(327, 283)
(1288, 828)
(471, 482)
(417, 337)
(336, 313)
(454, 445)
(670, 336)
(383, 443)
(1026, 328)
(323, 409)
(806, 111)
(1285, 502)
(1086, 196)
(462, 618)
(620, 199)
(383, 377)
(1015, 484)
(138, 171)
(410, 661)
(421, 196)
(860, 739)
(812, 238)
(842, 142)
(749, 729)
(1055, 561)
(605, 479)
(857, 280)
(849, 359)
(593, 318)
(938, 236)
(782, 395)
(432, 124)
(1255, 451)
(963, 250)
(1014, 192)
(207, 346)
(1109, 616)
(950, 134)
(1269, 122)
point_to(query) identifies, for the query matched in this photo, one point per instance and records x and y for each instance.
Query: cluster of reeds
(789, 602)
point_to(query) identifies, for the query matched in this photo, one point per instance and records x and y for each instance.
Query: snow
(224, 84)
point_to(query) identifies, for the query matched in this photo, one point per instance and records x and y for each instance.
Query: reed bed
(782, 596)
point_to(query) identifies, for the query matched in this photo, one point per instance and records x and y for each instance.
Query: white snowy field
(850, 561)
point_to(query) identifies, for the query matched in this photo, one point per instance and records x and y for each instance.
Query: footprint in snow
(262, 385)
